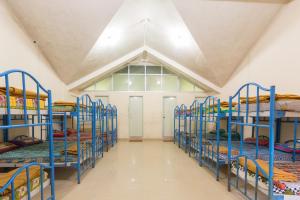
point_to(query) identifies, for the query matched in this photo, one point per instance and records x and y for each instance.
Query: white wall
(152, 110)
(274, 60)
(17, 50)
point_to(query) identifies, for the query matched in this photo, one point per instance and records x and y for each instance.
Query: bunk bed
(194, 125)
(267, 170)
(176, 124)
(210, 146)
(100, 128)
(66, 141)
(183, 135)
(30, 178)
(111, 126)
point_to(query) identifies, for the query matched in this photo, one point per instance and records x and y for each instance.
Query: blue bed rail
(111, 126)
(194, 125)
(100, 127)
(209, 147)
(176, 124)
(242, 120)
(86, 119)
(10, 185)
(27, 123)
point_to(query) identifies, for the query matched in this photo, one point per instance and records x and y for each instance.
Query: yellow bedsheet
(223, 150)
(19, 92)
(64, 103)
(21, 179)
(266, 98)
(279, 175)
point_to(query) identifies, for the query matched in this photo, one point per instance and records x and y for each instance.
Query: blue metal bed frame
(210, 157)
(194, 125)
(100, 127)
(183, 139)
(85, 113)
(111, 126)
(8, 125)
(242, 120)
(176, 124)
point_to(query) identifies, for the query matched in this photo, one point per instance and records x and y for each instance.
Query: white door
(169, 104)
(135, 117)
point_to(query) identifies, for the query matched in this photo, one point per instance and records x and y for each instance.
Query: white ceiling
(209, 37)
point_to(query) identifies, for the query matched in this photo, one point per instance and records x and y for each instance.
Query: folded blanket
(24, 140)
(279, 175)
(19, 92)
(21, 179)
(262, 99)
(262, 141)
(266, 98)
(64, 103)
(222, 150)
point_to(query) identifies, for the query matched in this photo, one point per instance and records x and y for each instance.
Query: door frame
(136, 138)
(162, 116)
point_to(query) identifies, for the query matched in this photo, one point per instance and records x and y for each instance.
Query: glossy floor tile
(149, 170)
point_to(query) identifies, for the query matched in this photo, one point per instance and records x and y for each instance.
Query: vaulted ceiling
(208, 37)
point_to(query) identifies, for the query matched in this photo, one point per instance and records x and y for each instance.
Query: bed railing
(25, 77)
(176, 124)
(209, 150)
(194, 119)
(242, 120)
(10, 185)
(182, 130)
(115, 110)
(100, 126)
(86, 115)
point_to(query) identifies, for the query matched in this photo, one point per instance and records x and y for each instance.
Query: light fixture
(158, 82)
(129, 83)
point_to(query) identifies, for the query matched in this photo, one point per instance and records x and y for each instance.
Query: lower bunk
(215, 158)
(24, 183)
(65, 155)
(286, 179)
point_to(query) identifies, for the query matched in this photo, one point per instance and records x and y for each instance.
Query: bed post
(229, 144)
(93, 133)
(271, 145)
(200, 134)
(78, 139)
(51, 146)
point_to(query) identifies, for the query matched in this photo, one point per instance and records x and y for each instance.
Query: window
(137, 69)
(120, 82)
(154, 82)
(104, 85)
(145, 78)
(91, 88)
(137, 82)
(153, 69)
(186, 86)
(170, 83)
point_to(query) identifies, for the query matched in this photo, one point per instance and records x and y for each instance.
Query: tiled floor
(149, 170)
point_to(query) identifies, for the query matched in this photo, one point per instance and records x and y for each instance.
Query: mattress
(18, 103)
(282, 105)
(279, 187)
(58, 108)
(250, 151)
(39, 153)
(21, 191)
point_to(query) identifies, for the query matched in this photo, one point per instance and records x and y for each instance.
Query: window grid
(146, 81)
